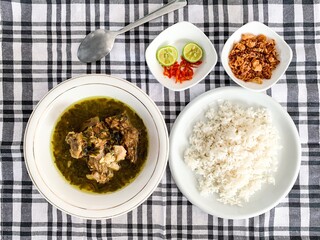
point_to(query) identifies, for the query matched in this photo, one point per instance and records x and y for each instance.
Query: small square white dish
(178, 35)
(283, 49)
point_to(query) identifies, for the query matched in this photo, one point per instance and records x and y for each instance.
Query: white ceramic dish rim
(176, 173)
(269, 32)
(143, 193)
(213, 58)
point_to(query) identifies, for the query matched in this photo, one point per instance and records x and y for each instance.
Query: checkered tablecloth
(38, 45)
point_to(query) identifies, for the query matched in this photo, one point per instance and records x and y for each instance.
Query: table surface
(38, 51)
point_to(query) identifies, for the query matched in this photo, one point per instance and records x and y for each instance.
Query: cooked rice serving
(233, 152)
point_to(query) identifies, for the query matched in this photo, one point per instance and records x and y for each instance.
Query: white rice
(233, 152)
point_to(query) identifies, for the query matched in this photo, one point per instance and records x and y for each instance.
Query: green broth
(71, 120)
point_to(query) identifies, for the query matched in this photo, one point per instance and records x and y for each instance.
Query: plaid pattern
(38, 50)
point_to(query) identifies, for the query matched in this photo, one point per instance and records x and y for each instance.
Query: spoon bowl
(96, 45)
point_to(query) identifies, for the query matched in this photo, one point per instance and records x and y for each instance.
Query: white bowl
(179, 35)
(45, 175)
(285, 55)
(289, 157)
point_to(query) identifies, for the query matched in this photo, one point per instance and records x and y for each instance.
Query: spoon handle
(170, 7)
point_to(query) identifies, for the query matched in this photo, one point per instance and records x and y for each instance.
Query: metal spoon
(99, 43)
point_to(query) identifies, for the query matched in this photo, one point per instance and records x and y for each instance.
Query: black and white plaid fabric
(38, 49)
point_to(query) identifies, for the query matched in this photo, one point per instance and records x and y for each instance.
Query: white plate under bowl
(47, 178)
(289, 157)
(178, 35)
(283, 49)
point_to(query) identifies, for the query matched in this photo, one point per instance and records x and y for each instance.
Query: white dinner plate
(47, 178)
(289, 157)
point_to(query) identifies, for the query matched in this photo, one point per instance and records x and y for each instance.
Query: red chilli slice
(181, 72)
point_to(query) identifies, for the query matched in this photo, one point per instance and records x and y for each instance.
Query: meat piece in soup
(77, 144)
(102, 165)
(130, 134)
